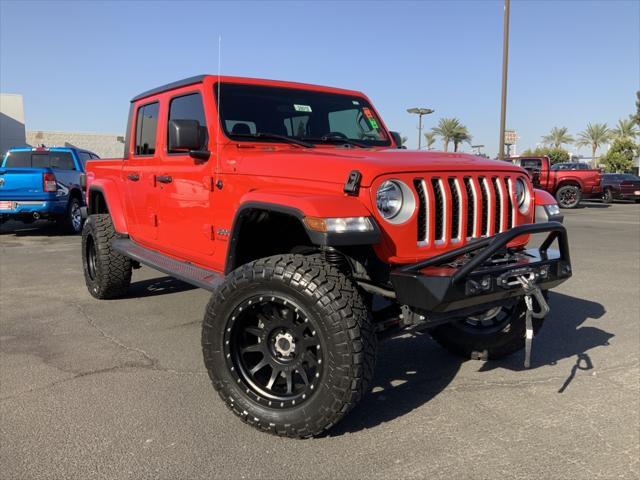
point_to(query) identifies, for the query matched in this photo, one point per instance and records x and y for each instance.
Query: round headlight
(395, 201)
(522, 195)
(389, 199)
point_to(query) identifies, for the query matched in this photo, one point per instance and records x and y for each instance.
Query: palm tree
(626, 129)
(430, 137)
(594, 136)
(446, 130)
(461, 135)
(557, 137)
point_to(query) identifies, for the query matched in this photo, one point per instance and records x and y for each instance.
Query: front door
(185, 188)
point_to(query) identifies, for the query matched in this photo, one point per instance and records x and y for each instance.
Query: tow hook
(531, 290)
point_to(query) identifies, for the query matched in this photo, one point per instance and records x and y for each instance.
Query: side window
(346, 122)
(297, 126)
(531, 164)
(146, 128)
(84, 157)
(61, 161)
(189, 107)
(240, 126)
(94, 156)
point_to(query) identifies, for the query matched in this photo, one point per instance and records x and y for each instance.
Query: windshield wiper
(337, 139)
(274, 136)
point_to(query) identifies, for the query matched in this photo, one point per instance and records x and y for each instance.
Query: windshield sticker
(302, 108)
(370, 117)
(355, 102)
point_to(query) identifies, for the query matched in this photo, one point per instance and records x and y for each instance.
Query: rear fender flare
(111, 195)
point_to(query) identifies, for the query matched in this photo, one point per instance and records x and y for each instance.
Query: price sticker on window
(302, 108)
(370, 117)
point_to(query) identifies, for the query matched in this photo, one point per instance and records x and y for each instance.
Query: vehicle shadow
(40, 228)
(157, 286)
(412, 369)
(593, 204)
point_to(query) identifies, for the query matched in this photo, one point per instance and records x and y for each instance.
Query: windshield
(316, 117)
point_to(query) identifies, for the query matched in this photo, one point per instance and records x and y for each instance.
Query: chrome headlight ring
(395, 201)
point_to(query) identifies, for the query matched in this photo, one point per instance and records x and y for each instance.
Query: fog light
(552, 210)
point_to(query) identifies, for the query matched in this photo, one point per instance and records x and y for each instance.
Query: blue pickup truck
(43, 183)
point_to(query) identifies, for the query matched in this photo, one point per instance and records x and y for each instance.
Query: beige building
(105, 145)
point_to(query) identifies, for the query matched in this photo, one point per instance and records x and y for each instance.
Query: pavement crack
(153, 362)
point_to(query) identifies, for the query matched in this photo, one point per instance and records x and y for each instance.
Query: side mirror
(187, 136)
(397, 139)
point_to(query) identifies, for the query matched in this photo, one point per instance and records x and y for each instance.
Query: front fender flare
(300, 206)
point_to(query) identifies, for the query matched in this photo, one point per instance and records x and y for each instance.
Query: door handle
(164, 178)
(134, 177)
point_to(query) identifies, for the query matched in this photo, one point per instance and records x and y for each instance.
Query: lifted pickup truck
(294, 205)
(568, 182)
(43, 183)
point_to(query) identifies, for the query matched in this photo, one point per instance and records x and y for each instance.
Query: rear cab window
(146, 129)
(31, 159)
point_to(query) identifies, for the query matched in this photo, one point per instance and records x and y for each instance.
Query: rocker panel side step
(185, 271)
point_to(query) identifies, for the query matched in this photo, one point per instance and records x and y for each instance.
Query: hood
(334, 164)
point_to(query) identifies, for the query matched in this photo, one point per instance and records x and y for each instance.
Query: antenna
(218, 101)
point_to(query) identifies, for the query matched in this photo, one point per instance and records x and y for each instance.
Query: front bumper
(483, 272)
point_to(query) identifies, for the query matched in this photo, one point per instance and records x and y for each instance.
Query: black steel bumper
(483, 271)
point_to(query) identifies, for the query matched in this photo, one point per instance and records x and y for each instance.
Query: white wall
(12, 132)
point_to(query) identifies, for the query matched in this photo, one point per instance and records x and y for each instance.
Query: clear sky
(78, 63)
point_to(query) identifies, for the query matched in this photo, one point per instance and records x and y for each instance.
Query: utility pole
(420, 112)
(505, 61)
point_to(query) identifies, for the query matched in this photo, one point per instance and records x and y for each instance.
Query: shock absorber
(337, 259)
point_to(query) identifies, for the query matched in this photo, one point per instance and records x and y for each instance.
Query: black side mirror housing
(397, 139)
(187, 136)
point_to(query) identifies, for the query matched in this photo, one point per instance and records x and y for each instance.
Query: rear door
(185, 186)
(139, 170)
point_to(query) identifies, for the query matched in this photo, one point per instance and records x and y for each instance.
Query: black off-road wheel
(288, 344)
(607, 196)
(569, 196)
(71, 223)
(489, 335)
(106, 272)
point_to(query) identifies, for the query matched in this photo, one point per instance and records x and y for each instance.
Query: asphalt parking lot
(117, 389)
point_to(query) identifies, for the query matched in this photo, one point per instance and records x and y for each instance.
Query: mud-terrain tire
(107, 273)
(71, 222)
(490, 339)
(569, 196)
(296, 313)
(607, 196)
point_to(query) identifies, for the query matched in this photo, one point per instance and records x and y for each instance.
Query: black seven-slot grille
(484, 202)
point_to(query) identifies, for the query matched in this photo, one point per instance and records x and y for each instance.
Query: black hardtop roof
(170, 86)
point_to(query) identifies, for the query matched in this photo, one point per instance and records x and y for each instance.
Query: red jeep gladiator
(568, 182)
(294, 205)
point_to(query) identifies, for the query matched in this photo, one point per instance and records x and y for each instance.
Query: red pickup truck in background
(568, 186)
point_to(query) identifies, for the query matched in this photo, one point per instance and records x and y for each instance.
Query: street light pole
(420, 112)
(505, 61)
